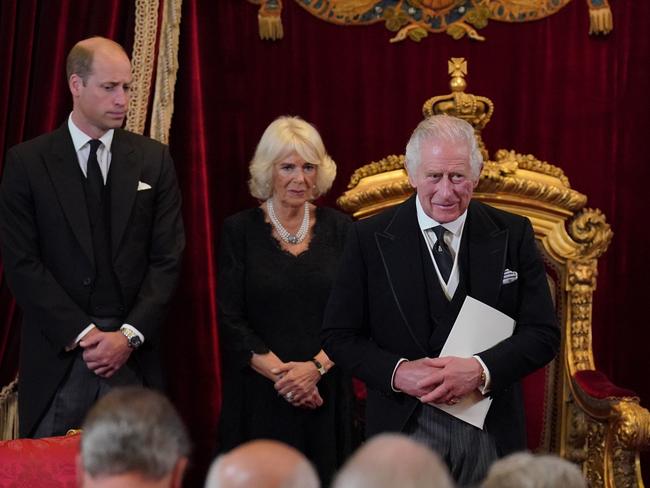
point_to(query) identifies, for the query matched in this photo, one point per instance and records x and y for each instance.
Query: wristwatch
(321, 369)
(133, 339)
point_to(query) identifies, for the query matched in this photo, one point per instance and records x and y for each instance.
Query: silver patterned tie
(442, 254)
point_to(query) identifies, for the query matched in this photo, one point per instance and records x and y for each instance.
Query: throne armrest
(601, 399)
(596, 384)
(610, 424)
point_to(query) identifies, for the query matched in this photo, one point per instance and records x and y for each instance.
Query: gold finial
(457, 69)
(474, 109)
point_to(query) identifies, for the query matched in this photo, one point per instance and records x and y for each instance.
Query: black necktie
(94, 174)
(442, 254)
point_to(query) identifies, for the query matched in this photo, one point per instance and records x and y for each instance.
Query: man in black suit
(92, 238)
(403, 279)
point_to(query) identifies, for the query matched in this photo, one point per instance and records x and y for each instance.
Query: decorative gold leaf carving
(633, 429)
(590, 229)
(388, 163)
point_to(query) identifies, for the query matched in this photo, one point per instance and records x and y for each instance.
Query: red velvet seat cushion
(597, 385)
(42, 463)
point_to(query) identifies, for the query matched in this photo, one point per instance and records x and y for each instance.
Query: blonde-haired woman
(276, 266)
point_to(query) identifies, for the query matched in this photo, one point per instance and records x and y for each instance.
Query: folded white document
(477, 328)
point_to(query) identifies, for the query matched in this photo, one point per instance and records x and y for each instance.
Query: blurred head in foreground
(133, 437)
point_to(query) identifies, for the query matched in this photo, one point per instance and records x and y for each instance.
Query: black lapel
(63, 166)
(399, 248)
(125, 171)
(487, 255)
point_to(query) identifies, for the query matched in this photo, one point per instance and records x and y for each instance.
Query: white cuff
(134, 330)
(81, 335)
(392, 377)
(486, 387)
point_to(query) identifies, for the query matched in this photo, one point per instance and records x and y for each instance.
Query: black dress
(272, 300)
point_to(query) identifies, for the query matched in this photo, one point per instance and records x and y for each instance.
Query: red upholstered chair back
(39, 463)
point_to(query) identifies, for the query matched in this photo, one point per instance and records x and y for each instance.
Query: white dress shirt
(80, 141)
(452, 239)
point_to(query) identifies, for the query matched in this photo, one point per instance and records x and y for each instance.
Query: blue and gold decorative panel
(415, 19)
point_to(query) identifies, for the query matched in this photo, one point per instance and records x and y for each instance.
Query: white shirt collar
(426, 222)
(80, 138)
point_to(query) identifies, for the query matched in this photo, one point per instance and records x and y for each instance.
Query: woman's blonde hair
(282, 137)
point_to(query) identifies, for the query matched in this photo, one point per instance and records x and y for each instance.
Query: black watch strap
(321, 369)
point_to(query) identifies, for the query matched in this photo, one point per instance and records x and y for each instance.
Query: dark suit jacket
(380, 311)
(48, 253)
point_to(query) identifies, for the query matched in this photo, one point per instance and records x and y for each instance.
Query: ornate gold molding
(384, 165)
(581, 285)
(415, 19)
(617, 428)
(144, 48)
(591, 232)
(163, 101)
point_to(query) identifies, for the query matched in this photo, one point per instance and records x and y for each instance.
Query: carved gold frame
(603, 436)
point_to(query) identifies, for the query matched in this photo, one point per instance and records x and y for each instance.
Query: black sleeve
(536, 338)
(36, 290)
(346, 333)
(238, 339)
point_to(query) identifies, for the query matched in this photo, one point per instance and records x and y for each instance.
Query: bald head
(392, 460)
(262, 464)
(80, 57)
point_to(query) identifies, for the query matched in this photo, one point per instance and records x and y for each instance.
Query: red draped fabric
(577, 101)
(192, 352)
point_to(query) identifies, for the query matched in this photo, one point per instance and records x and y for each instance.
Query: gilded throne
(572, 409)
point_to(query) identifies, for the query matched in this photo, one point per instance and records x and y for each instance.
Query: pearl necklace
(284, 234)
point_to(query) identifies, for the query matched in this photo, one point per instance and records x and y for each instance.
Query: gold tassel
(270, 27)
(269, 20)
(600, 20)
(9, 411)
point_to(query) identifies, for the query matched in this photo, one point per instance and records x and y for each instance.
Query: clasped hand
(297, 383)
(438, 380)
(105, 352)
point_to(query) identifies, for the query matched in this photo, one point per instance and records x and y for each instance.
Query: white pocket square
(509, 276)
(143, 186)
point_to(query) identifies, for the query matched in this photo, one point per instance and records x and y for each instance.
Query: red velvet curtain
(35, 37)
(192, 353)
(577, 101)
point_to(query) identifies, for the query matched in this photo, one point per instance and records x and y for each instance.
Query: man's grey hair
(394, 461)
(133, 430)
(443, 128)
(525, 470)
